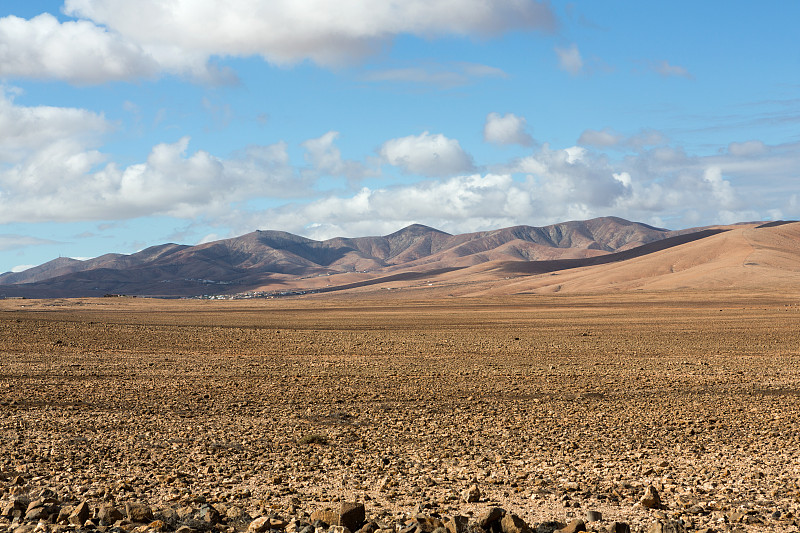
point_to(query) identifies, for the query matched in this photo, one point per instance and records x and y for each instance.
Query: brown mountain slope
(743, 257)
(273, 259)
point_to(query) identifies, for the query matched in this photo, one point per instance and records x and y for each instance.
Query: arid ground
(553, 405)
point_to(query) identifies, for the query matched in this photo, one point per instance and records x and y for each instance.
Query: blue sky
(129, 124)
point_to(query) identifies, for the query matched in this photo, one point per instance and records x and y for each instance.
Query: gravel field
(658, 411)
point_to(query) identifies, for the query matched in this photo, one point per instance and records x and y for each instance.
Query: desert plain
(211, 414)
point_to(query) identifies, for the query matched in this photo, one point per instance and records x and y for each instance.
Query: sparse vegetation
(313, 438)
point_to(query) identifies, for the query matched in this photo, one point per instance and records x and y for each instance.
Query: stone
(278, 523)
(512, 523)
(80, 514)
(10, 507)
(428, 524)
(549, 527)
(618, 527)
(666, 526)
(339, 529)
(209, 514)
(574, 527)
(37, 513)
(259, 525)
(488, 517)
(185, 529)
(108, 514)
(472, 494)
(352, 515)
(651, 498)
(138, 512)
(325, 515)
(456, 524)
(594, 516)
(156, 525)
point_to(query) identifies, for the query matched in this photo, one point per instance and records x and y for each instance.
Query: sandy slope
(742, 257)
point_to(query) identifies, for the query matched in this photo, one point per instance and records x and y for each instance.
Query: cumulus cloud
(506, 129)
(24, 130)
(569, 59)
(74, 51)
(552, 185)
(112, 40)
(171, 182)
(667, 70)
(427, 155)
(52, 171)
(326, 158)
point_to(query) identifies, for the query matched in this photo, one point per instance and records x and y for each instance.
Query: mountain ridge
(270, 259)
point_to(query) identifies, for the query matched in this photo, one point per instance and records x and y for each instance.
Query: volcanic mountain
(274, 259)
(275, 262)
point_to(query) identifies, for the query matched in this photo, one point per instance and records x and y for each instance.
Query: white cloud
(13, 242)
(506, 129)
(437, 74)
(75, 51)
(24, 130)
(569, 59)
(114, 40)
(746, 149)
(21, 268)
(427, 155)
(326, 158)
(211, 237)
(604, 138)
(667, 70)
(52, 172)
(720, 188)
(608, 138)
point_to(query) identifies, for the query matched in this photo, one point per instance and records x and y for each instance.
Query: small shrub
(313, 438)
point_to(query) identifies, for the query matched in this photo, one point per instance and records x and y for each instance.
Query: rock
(651, 499)
(9, 508)
(209, 514)
(594, 516)
(490, 516)
(549, 527)
(80, 514)
(156, 525)
(259, 525)
(278, 523)
(456, 524)
(329, 517)
(138, 512)
(511, 523)
(618, 527)
(108, 514)
(352, 515)
(574, 527)
(338, 529)
(666, 526)
(185, 529)
(472, 494)
(427, 524)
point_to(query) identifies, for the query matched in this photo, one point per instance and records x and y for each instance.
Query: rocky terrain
(667, 411)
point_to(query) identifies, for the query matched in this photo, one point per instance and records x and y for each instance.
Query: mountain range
(274, 261)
